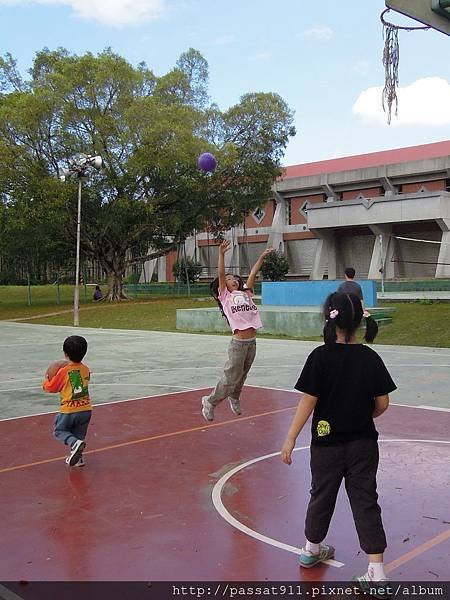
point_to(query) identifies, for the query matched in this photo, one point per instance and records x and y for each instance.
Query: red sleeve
(56, 383)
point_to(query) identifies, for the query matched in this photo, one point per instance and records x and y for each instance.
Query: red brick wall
(297, 217)
(367, 193)
(432, 186)
(269, 208)
(171, 259)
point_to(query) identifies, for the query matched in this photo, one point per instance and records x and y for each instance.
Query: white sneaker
(378, 589)
(75, 452)
(207, 409)
(235, 405)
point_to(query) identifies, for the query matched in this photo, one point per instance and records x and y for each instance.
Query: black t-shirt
(351, 287)
(345, 378)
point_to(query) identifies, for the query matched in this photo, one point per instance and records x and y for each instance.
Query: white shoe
(235, 405)
(76, 451)
(207, 409)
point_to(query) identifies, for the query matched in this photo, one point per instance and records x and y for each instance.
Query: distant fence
(137, 290)
(424, 285)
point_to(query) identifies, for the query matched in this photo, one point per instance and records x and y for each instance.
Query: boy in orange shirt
(71, 381)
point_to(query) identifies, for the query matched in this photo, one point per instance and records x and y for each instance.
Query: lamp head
(64, 174)
(95, 161)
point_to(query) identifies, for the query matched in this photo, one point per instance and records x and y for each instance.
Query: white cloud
(117, 13)
(423, 102)
(320, 33)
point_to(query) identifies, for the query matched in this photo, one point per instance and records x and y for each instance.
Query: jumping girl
(235, 301)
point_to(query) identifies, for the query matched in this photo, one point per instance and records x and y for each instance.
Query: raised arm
(304, 409)
(256, 267)
(224, 246)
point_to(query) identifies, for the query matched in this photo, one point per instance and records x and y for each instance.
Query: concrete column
(332, 258)
(325, 256)
(231, 253)
(190, 247)
(276, 234)
(377, 260)
(443, 270)
(162, 269)
(148, 267)
(235, 259)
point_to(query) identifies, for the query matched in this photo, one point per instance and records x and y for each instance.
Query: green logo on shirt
(76, 381)
(323, 428)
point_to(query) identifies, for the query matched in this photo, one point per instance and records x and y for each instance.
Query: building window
(288, 212)
(303, 209)
(258, 215)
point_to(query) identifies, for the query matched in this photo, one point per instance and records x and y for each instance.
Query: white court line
(205, 368)
(427, 407)
(292, 391)
(8, 346)
(93, 385)
(223, 512)
(54, 412)
(227, 516)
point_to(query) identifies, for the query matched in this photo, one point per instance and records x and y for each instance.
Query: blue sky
(323, 57)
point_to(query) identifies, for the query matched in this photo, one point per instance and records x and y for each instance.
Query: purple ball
(207, 162)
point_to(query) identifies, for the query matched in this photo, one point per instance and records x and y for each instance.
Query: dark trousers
(70, 427)
(356, 462)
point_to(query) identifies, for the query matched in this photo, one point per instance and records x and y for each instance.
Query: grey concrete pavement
(135, 364)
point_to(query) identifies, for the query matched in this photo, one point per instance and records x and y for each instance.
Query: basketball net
(391, 55)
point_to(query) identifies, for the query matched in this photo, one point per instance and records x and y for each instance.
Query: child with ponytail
(345, 384)
(235, 300)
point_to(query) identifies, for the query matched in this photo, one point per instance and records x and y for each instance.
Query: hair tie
(366, 314)
(334, 313)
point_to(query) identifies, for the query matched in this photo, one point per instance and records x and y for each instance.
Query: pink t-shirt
(240, 309)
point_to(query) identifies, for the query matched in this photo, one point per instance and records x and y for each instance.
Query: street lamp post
(79, 167)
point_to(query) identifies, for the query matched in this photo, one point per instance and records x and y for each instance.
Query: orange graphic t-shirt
(72, 383)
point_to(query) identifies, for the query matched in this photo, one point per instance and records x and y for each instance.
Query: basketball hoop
(391, 61)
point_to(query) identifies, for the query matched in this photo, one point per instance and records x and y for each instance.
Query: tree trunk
(115, 286)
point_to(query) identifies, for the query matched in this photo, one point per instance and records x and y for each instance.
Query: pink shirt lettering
(241, 311)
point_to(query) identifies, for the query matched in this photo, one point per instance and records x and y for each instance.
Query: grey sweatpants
(70, 427)
(241, 354)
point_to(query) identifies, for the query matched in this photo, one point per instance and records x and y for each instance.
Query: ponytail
(329, 331)
(371, 328)
(345, 311)
(214, 291)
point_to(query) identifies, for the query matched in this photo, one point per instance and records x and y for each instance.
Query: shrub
(193, 270)
(275, 266)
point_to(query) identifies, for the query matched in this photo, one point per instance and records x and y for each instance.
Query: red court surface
(142, 510)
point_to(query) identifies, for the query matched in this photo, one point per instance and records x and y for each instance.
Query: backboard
(434, 13)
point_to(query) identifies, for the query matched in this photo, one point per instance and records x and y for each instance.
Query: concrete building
(362, 211)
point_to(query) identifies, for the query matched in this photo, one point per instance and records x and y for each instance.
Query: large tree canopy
(149, 132)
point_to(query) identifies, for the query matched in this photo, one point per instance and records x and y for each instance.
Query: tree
(149, 131)
(275, 266)
(183, 265)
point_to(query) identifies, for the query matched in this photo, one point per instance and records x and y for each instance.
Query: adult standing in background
(349, 286)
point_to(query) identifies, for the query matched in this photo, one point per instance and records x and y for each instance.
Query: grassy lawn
(420, 323)
(44, 298)
(152, 313)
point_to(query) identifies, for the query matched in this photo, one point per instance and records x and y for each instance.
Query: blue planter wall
(310, 293)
